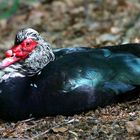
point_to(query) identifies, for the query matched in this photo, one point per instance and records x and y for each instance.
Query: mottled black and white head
(29, 54)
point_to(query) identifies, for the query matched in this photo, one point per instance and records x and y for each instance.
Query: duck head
(29, 54)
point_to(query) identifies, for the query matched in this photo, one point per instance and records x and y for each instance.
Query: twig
(27, 120)
(48, 130)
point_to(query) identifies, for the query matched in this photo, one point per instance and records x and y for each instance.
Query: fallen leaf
(60, 129)
(133, 127)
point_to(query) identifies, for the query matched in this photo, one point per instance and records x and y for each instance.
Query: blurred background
(72, 22)
(66, 23)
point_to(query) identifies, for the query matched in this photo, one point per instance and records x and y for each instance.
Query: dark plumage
(79, 79)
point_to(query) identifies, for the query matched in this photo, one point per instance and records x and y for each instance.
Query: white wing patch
(11, 75)
(33, 85)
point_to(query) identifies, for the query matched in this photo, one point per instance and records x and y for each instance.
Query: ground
(67, 23)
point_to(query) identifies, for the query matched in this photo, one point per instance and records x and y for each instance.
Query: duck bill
(8, 61)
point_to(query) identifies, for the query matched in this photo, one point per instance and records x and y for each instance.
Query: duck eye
(28, 43)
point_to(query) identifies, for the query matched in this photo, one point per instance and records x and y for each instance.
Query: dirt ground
(65, 23)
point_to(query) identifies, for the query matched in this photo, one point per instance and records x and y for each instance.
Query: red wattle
(9, 53)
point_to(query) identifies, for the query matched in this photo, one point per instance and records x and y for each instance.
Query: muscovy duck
(36, 81)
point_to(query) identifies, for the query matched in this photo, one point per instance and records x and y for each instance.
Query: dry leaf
(60, 129)
(133, 127)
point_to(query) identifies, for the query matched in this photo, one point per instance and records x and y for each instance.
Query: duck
(38, 81)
